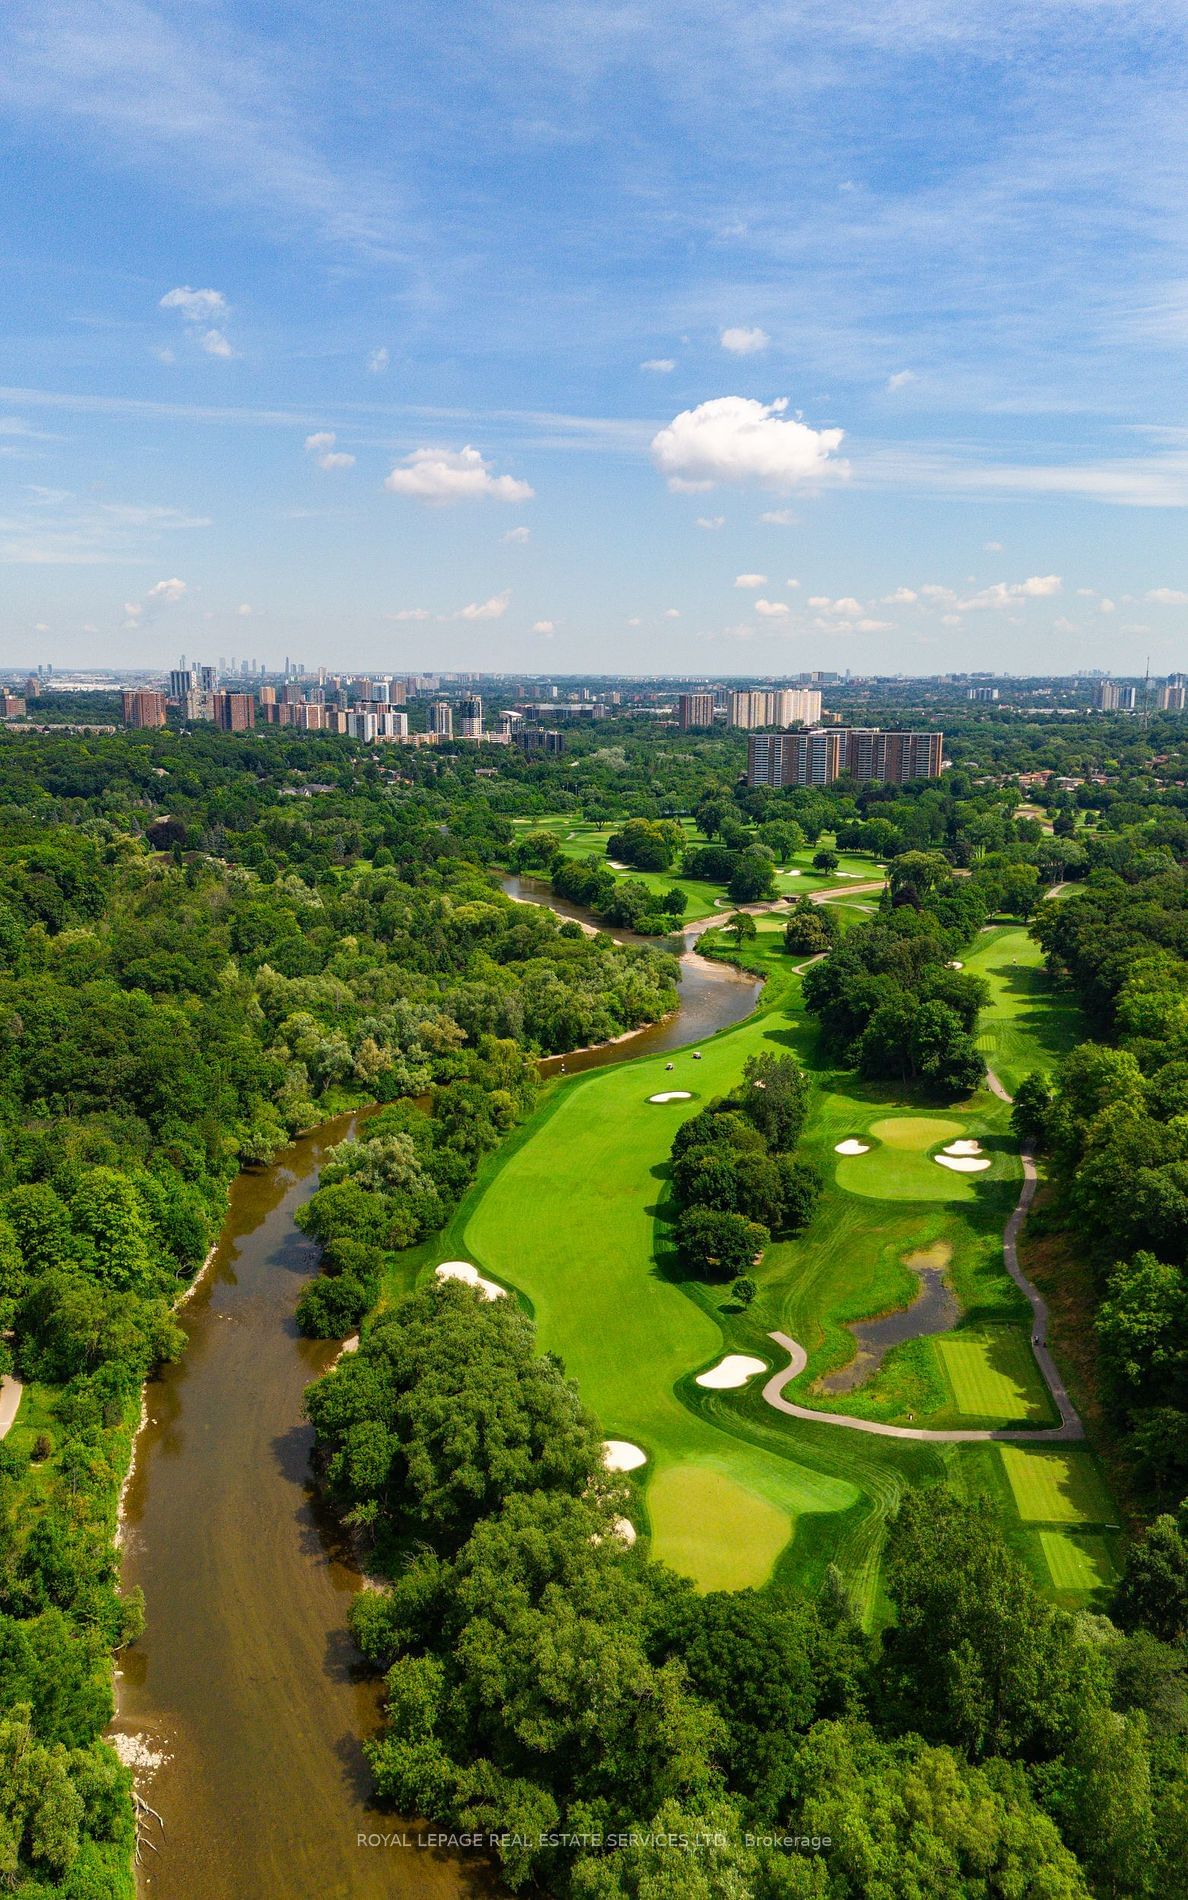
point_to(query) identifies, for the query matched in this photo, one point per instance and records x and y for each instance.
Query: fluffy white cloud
(866, 625)
(215, 343)
(517, 535)
(493, 609)
(711, 522)
(847, 607)
(244, 609)
(133, 611)
(321, 447)
(444, 475)
(779, 518)
(542, 626)
(992, 547)
(791, 582)
(659, 365)
(743, 342)
(902, 597)
(735, 439)
(1105, 606)
(378, 361)
(672, 613)
(196, 306)
(166, 591)
(772, 609)
(1010, 593)
(750, 580)
(1167, 596)
(901, 379)
(409, 613)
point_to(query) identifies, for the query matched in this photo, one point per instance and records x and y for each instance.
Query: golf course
(897, 1294)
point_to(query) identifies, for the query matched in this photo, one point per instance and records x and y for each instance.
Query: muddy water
(245, 1694)
(245, 1702)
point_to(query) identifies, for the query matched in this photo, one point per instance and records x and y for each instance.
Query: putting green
(713, 1528)
(1078, 1564)
(994, 1375)
(1051, 1486)
(915, 1133)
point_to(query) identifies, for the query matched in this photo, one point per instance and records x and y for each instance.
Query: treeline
(1114, 1122)
(195, 968)
(735, 1182)
(551, 1688)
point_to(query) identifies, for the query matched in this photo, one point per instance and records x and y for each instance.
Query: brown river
(244, 1704)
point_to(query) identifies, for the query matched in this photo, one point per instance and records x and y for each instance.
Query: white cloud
(321, 447)
(1105, 606)
(1167, 596)
(780, 518)
(493, 609)
(635, 621)
(750, 580)
(791, 581)
(244, 609)
(196, 306)
(517, 535)
(873, 626)
(409, 613)
(901, 379)
(902, 597)
(215, 343)
(167, 591)
(659, 365)
(772, 609)
(672, 613)
(165, 354)
(1005, 594)
(710, 522)
(439, 476)
(743, 342)
(378, 361)
(847, 606)
(735, 439)
(992, 547)
(542, 626)
(133, 609)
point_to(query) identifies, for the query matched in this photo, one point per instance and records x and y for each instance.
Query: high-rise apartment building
(181, 682)
(538, 739)
(143, 708)
(695, 710)
(1171, 697)
(441, 719)
(470, 718)
(822, 754)
(234, 712)
(777, 706)
(1105, 696)
(987, 693)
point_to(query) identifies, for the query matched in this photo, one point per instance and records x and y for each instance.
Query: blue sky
(709, 337)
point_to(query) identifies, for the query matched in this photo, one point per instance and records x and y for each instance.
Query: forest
(209, 944)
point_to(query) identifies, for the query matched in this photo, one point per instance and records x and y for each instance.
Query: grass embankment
(571, 1214)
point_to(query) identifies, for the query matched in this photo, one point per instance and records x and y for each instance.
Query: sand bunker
(954, 965)
(938, 1255)
(851, 1146)
(462, 1270)
(964, 1148)
(671, 1095)
(735, 1369)
(624, 1529)
(961, 1164)
(615, 865)
(620, 1455)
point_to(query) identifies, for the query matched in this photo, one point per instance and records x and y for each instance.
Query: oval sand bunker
(964, 1148)
(671, 1095)
(852, 1146)
(735, 1369)
(618, 1454)
(462, 1270)
(961, 1164)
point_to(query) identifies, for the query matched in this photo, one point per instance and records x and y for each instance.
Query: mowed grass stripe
(994, 1375)
(1078, 1564)
(705, 1523)
(1056, 1486)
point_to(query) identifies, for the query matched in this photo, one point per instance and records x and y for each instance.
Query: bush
(719, 1246)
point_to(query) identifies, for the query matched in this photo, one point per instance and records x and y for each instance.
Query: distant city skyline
(723, 340)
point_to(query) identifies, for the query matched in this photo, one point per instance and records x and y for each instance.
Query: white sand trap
(790, 873)
(671, 1095)
(615, 864)
(624, 1529)
(961, 1164)
(964, 1148)
(735, 1369)
(618, 1454)
(955, 965)
(462, 1270)
(851, 1146)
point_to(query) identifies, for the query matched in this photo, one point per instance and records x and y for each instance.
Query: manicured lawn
(1056, 1485)
(1078, 1564)
(1030, 1022)
(748, 1531)
(993, 1375)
